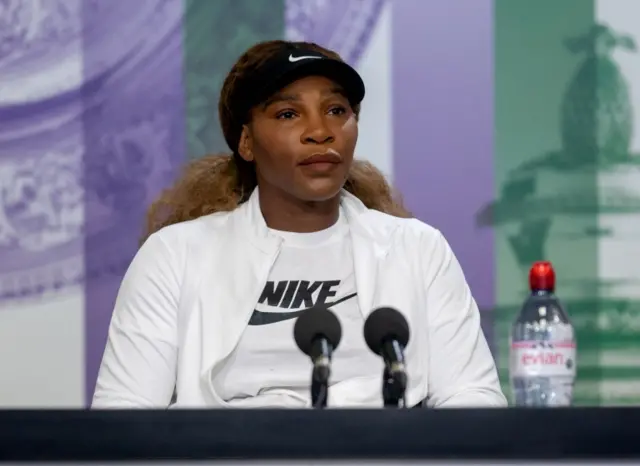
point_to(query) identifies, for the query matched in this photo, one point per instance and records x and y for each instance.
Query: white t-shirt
(267, 369)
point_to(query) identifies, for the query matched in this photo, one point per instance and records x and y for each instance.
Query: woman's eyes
(289, 114)
(286, 115)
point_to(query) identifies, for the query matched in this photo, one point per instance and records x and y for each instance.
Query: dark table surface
(510, 434)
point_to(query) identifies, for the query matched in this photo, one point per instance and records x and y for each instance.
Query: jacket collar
(364, 223)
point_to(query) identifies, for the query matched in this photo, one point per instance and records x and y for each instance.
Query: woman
(241, 243)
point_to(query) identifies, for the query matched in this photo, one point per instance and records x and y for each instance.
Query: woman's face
(303, 139)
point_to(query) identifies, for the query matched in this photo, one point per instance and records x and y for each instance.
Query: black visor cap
(293, 64)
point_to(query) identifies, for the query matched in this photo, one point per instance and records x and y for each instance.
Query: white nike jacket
(192, 287)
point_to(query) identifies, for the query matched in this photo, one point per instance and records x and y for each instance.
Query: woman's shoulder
(194, 232)
(404, 225)
(419, 241)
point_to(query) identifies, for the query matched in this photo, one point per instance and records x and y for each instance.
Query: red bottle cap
(542, 276)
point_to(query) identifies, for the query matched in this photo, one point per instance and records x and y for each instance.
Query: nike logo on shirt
(292, 294)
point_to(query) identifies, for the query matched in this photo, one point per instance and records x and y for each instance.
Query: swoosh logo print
(266, 318)
(293, 59)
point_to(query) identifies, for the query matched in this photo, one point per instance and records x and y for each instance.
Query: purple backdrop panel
(134, 134)
(443, 125)
(41, 208)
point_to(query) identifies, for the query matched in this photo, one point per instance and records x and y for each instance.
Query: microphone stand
(394, 378)
(320, 375)
(394, 385)
(319, 388)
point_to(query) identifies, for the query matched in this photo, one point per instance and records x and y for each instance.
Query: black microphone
(386, 332)
(317, 333)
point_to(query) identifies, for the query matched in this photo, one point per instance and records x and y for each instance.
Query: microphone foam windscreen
(314, 323)
(383, 324)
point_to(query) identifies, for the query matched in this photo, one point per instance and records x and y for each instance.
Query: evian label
(543, 359)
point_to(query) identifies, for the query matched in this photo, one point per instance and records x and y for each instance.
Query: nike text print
(295, 296)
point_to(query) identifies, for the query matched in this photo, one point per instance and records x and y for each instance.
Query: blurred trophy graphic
(579, 206)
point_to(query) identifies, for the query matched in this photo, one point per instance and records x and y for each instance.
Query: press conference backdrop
(511, 125)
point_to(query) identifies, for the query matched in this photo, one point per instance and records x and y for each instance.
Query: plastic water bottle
(542, 361)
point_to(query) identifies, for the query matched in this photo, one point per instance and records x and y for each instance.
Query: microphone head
(313, 323)
(385, 323)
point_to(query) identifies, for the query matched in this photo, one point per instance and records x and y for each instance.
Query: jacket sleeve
(138, 367)
(462, 372)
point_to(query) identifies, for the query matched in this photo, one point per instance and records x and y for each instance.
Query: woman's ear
(244, 146)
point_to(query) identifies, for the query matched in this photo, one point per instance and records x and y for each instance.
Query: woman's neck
(283, 212)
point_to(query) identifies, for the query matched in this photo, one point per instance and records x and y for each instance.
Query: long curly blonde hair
(221, 182)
